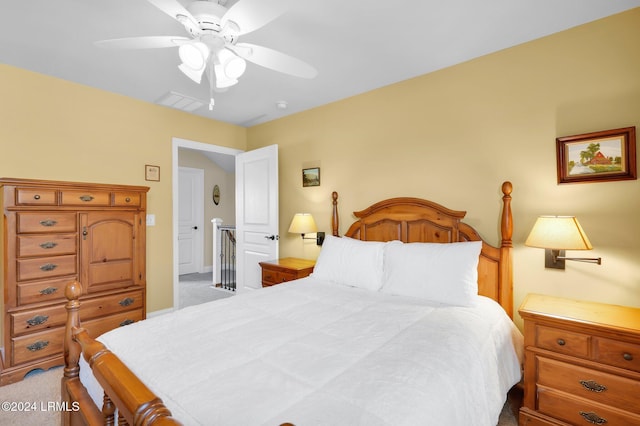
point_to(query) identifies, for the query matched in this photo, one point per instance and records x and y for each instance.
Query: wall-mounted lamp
(556, 234)
(303, 223)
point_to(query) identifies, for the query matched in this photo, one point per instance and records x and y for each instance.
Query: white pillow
(351, 262)
(444, 273)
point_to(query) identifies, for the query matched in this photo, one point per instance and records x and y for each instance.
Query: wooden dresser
(285, 269)
(582, 363)
(57, 232)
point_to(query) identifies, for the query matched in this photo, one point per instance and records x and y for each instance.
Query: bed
(406, 319)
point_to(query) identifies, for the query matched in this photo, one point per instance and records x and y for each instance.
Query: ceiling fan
(213, 46)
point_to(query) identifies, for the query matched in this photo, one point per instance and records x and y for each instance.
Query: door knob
(272, 237)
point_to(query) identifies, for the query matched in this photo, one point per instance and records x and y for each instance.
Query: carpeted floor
(197, 288)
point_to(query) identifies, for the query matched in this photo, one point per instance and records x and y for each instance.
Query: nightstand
(582, 363)
(285, 269)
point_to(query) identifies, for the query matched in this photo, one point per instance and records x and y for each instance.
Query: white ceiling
(356, 45)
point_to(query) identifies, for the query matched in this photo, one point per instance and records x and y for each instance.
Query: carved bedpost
(506, 269)
(70, 347)
(335, 221)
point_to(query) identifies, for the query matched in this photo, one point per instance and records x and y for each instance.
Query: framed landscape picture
(597, 157)
(311, 177)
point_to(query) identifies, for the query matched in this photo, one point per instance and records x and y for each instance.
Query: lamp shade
(559, 233)
(302, 223)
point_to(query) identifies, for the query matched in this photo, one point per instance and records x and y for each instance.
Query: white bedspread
(314, 353)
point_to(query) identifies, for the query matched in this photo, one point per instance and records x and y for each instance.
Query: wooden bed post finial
(506, 227)
(335, 221)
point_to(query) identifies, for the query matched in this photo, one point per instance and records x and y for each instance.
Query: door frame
(177, 143)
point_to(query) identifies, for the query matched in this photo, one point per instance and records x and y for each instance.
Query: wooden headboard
(417, 220)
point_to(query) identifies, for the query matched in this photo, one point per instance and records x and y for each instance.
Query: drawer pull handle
(126, 322)
(48, 222)
(48, 290)
(48, 267)
(48, 245)
(627, 357)
(126, 302)
(36, 197)
(561, 342)
(593, 386)
(128, 199)
(38, 346)
(37, 320)
(86, 198)
(593, 418)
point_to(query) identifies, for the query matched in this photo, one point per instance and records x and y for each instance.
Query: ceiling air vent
(180, 101)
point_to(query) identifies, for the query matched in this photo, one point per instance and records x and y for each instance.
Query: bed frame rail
(135, 403)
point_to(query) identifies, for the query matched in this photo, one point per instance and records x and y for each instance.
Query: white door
(190, 220)
(256, 214)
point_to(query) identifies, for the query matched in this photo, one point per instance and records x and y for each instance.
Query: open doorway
(217, 164)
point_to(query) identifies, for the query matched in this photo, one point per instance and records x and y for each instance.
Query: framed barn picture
(597, 157)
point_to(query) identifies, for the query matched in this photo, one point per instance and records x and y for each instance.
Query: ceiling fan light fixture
(231, 65)
(195, 75)
(235, 67)
(194, 55)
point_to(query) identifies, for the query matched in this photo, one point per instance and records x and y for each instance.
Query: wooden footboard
(135, 403)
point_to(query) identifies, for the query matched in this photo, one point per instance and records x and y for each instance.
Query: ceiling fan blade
(274, 60)
(249, 15)
(150, 42)
(176, 10)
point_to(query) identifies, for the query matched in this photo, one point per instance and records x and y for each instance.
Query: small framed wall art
(311, 177)
(152, 173)
(603, 156)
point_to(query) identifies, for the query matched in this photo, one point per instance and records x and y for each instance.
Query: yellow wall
(54, 129)
(453, 136)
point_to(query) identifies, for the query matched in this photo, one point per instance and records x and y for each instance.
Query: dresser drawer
(38, 319)
(37, 345)
(563, 341)
(617, 353)
(42, 291)
(591, 384)
(579, 411)
(44, 267)
(126, 199)
(46, 222)
(46, 245)
(36, 197)
(100, 326)
(108, 305)
(270, 277)
(85, 198)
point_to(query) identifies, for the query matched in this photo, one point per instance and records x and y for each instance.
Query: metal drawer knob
(37, 320)
(593, 418)
(561, 342)
(627, 357)
(36, 197)
(38, 346)
(48, 222)
(86, 198)
(48, 267)
(593, 386)
(48, 290)
(126, 302)
(126, 322)
(48, 245)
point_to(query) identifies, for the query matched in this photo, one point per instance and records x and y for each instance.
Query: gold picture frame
(608, 155)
